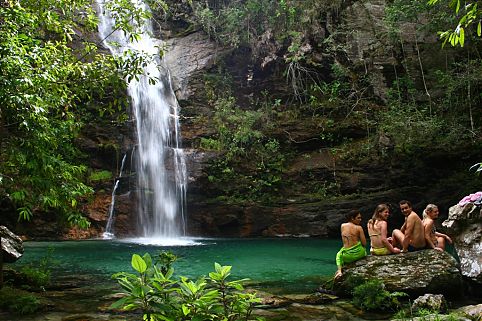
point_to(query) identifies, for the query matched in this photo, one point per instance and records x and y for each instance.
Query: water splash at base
(163, 241)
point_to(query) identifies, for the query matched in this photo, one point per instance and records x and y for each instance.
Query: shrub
(154, 291)
(34, 276)
(372, 295)
(37, 274)
(100, 176)
(18, 301)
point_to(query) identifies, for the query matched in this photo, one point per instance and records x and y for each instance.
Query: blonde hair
(429, 209)
(376, 214)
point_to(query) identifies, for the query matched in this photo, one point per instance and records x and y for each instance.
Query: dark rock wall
(313, 162)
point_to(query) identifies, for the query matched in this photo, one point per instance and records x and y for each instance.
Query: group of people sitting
(415, 234)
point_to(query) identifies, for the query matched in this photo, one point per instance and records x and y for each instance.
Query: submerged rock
(12, 245)
(416, 273)
(465, 222)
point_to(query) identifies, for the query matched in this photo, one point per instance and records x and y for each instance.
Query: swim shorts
(380, 251)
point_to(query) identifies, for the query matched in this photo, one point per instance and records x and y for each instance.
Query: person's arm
(427, 229)
(404, 226)
(363, 239)
(408, 231)
(383, 238)
(445, 236)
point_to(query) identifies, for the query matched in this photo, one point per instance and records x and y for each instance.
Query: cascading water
(161, 192)
(109, 233)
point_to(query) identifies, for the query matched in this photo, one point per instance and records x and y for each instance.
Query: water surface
(277, 265)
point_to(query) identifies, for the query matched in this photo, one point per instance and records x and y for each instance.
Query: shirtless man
(411, 237)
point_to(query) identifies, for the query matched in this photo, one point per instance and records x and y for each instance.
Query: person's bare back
(351, 234)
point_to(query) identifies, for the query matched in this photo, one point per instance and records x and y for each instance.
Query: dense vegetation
(154, 290)
(53, 81)
(429, 107)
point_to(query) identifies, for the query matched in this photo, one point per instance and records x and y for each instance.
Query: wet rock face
(466, 224)
(12, 245)
(187, 56)
(415, 273)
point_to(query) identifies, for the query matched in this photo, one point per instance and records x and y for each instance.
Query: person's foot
(338, 274)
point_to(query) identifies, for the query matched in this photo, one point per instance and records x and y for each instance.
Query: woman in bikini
(434, 239)
(377, 230)
(354, 241)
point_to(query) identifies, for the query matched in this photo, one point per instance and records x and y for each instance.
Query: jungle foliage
(240, 135)
(160, 296)
(430, 104)
(53, 79)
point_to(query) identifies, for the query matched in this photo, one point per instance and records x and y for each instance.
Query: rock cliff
(331, 154)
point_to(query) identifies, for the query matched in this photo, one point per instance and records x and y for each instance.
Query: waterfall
(160, 162)
(109, 233)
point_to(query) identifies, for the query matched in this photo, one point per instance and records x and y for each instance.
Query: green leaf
(479, 29)
(24, 213)
(138, 263)
(185, 310)
(120, 303)
(461, 36)
(148, 259)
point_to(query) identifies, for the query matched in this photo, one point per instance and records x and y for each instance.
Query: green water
(277, 265)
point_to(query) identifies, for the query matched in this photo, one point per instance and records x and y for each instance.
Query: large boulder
(464, 223)
(12, 245)
(416, 273)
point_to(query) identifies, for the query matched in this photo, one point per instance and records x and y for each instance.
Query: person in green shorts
(354, 241)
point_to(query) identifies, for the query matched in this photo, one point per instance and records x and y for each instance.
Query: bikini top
(376, 233)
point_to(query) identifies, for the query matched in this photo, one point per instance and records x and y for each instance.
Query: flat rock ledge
(416, 273)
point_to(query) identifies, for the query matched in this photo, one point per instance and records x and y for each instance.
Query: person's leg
(441, 242)
(339, 263)
(397, 238)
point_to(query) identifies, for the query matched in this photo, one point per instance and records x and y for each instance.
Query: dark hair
(351, 215)
(405, 202)
(376, 214)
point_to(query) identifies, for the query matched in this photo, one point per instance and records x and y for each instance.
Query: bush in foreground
(160, 297)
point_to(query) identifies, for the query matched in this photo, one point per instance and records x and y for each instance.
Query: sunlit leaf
(138, 263)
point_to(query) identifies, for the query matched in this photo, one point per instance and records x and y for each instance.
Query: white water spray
(160, 162)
